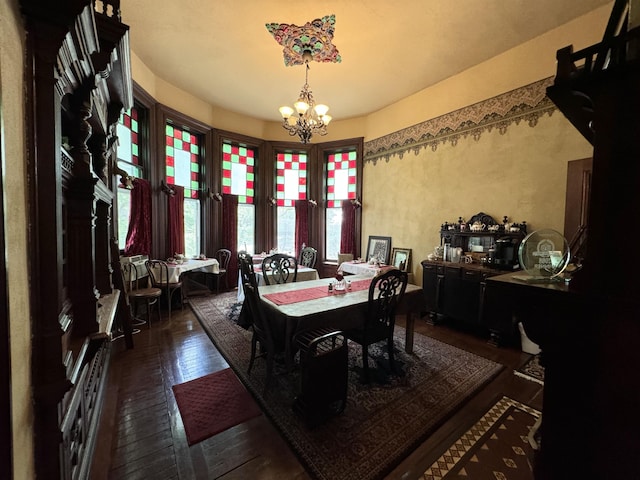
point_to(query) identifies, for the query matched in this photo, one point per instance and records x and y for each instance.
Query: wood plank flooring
(142, 436)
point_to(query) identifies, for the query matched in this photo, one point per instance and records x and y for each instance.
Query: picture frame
(401, 259)
(379, 247)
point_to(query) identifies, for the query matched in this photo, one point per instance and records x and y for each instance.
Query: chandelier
(307, 118)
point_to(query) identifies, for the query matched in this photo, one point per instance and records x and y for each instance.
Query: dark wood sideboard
(456, 290)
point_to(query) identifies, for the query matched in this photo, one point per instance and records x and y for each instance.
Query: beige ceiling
(220, 50)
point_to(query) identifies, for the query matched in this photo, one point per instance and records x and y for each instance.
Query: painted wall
(522, 65)
(13, 156)
(521, 174)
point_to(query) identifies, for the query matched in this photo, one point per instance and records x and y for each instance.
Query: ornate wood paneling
(78, 80)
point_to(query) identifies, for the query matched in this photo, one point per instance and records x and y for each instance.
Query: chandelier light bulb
(286, 112)
(301, 107)
(321, 109)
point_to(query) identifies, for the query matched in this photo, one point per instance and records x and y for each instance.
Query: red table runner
(302, 295)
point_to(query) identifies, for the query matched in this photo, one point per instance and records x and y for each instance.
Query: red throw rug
(212, 404)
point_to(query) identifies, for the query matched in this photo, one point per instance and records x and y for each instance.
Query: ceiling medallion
(312, 38)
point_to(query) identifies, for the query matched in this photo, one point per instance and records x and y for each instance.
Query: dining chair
(279, 268)
(324, 374)
(245, 267)
(159, 274)
(223, 255)
(247, 275)
(308, 257)
(385, 293)
(344, 257)
(262, 334)
(136, 293)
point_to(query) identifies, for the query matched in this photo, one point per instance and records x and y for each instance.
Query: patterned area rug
(495, 448)
(382, 422)
(212, 404)
(532, 370)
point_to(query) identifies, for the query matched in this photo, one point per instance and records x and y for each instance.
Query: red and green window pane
(291, 178)
(128, 137)
(238, 172)
(182, 150)
(341, 178)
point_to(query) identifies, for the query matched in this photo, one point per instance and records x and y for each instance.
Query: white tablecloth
(359, 268)
(304, 274)
(208, 265)
(364, 268)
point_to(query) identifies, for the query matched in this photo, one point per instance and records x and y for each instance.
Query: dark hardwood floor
(142, 436)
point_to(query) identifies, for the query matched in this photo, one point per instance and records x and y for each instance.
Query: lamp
(308, 118)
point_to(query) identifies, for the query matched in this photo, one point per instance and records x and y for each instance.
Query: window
(291, 185)
(238, 177)
(182, 150)
(129, 144)
(341, 181)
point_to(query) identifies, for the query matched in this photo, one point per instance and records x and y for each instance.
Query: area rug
(382, 422)
(532, 370)
(211, 404)
(496, 447)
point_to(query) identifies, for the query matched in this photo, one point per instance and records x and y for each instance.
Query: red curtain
(139, 233)
(302, 225)
(230, 232)
(175, 210)
(348, 230)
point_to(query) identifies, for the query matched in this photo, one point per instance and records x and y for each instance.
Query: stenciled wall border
(527, 103)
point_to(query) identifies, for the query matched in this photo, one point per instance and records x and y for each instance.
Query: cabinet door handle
(483, 287)
(439, 292)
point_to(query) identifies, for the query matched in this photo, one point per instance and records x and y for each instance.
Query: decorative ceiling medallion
(313, 38)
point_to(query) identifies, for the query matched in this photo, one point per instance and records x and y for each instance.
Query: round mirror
(544, 253)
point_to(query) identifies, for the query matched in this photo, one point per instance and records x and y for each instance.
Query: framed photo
(379, 247)
(401, 259)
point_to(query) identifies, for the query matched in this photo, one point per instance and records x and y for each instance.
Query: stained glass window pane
(291, 178)
(128, 152)
(341, 178)
(182, 160)
(238, 164)
(127, 132)
(341, 185)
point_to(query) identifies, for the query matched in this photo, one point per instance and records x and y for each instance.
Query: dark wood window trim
(265, 151)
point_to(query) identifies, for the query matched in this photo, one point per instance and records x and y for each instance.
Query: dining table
(205, 265)
(356, 267)
(362, 268)
(293, 307)
(304, 274)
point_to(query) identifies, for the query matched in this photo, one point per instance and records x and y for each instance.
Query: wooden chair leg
(365, 363)
(392, 360)
(253, 354)
(149, 312)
